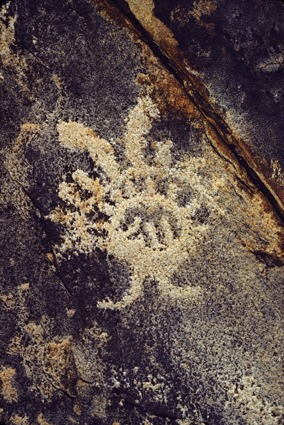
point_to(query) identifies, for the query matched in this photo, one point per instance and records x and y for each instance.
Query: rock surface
(142, 265)
(230, 57)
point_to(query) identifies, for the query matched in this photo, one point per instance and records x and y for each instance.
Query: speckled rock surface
(142, 267)
(230, 56)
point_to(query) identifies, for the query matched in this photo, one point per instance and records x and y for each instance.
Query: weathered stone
(142, 267)
(230, 57)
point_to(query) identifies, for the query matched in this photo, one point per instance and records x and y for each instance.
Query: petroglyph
(131, 209)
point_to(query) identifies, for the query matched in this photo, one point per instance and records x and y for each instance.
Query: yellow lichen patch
(7, 38)
(8, 300)
(70, 312)
(185, 422)
(8, 389)
(277, 172)
(9, 58)
(271, 63)
(77, 410)
(50, 257)
(58, 358)
(52, 364)
(58, 82)
(19, 169)
(24, 287)
(47, 363)
(246, 398)
(157, 81)
(145, 226)
(144, 12)
(181, 15)
(42, 421)
(203, 7)
(20, 420)
(54, 360)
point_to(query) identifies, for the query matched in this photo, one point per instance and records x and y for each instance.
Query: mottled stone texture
(230, 56)
(141, 255)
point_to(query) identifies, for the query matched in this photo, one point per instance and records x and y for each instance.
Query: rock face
(230, 57)
(141, 255)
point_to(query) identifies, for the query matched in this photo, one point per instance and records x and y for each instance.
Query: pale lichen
(8, 391)
(9, 56)
(246, 398)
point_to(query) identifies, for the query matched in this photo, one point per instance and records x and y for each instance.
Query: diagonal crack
(243, 181)
(213, 119)
(34, 56)
(62, 390)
